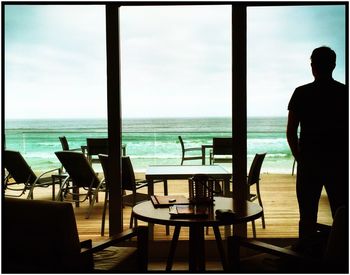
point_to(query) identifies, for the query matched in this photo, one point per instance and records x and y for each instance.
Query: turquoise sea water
(148, 141)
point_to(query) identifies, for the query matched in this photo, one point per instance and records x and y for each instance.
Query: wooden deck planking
(278, 195)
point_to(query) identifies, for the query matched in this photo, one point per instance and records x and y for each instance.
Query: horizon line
(165, 117)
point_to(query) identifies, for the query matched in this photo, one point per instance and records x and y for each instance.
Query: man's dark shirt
(322, 109)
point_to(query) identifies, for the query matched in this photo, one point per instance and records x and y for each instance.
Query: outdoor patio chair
(21, 178)
(82, 176)
(222, 151)
(129, 183)
(185, 151)
(65, 145)
(328, 252)
(42, 237)
(96, 146)
(254, 178)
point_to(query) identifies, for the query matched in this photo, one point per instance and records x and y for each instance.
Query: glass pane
(176, 79)
(280, 42)
(55, 78)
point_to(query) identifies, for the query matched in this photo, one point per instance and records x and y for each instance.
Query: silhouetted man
(320, 109)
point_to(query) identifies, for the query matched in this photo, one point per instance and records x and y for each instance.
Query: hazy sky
(176, 61)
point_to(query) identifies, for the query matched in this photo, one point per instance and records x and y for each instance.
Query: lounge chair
(21, 177)
(82, 176)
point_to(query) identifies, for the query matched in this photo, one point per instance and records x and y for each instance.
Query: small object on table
(225, 214)
(166, 201)
(188, 211)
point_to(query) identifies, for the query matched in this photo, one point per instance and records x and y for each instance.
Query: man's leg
(309, 188)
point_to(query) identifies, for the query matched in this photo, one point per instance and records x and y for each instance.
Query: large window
(279, 46)
(175, 79)
(55, 78)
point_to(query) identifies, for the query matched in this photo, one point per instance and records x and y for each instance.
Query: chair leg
(131, 220)
(254, 229)
(167, 232)
(92, 202)
(31, 191)
(260, 203)
(104, 214)
(263, 220)
(173, 245)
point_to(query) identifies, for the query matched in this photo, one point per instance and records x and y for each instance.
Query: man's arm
(292, 133)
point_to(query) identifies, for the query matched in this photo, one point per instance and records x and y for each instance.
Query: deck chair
(96, 146)
(129, 183)
(329, 252)
(65, 145)
(186, 150)
(82, 176)
(254, 179)
(42, 237)
(222, 151)
(21, 178)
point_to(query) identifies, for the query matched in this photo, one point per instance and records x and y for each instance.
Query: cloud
(172, 58)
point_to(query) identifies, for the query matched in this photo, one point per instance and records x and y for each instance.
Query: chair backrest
(254, 171)
(64, 143)
(222, 146)
(182, 143)
(18, 168)
(39, 237)
(104, 163)
(97, 146)
(128, 175)
(78, 168)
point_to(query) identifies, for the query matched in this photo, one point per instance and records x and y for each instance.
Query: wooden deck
(281, 217)
(278, 195)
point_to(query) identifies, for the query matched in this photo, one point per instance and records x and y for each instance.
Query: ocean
(148, 141)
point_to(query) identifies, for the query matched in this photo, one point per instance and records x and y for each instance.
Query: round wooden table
(245, 211)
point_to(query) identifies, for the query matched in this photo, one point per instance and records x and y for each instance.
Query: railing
(148, 148)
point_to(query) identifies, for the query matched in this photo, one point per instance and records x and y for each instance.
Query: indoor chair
(21, 178)
(42, 237)
(184, 151)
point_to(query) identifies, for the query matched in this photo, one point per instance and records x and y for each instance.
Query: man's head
(323, 62)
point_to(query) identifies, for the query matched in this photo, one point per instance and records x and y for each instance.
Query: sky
(175, 60)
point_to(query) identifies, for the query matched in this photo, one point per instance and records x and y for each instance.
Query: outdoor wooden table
(184, 172)
(245, 211)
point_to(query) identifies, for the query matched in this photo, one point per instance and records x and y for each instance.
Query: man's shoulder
(339, 84)
(305, 87)
(312, 85)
